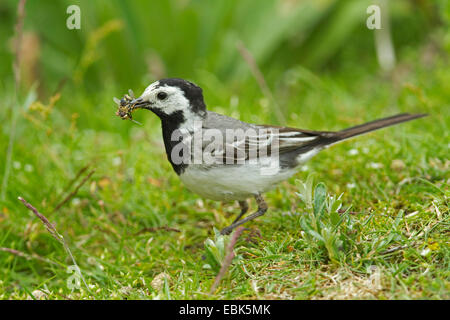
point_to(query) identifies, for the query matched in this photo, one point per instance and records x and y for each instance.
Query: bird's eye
(162, 95)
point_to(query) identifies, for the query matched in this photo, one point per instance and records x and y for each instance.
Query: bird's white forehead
(156, 85)
(150, 88)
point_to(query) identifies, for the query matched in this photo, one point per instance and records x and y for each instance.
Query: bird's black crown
(192, 92)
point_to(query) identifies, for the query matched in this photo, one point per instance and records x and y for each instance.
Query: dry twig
(260, 79)
(74, 192)
(71, 182)
(395, 249)
(52, 230)
(154, 229)
(26, 255)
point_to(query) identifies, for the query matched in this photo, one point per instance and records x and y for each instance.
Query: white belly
(237, 182)
(232, 182)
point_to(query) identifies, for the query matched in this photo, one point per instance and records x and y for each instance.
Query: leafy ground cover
(372, 222)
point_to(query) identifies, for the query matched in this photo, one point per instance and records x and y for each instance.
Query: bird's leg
(262, 208)
(244, 209)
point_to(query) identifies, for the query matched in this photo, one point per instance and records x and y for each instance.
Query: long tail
(326, 138)
(375, 125)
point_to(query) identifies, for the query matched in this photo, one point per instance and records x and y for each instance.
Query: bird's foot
(226, 230)
(262, 208)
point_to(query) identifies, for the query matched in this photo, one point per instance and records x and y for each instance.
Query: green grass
(390, 240)
(396, 185)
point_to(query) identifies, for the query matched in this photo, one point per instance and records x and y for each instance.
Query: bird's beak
(139, 103)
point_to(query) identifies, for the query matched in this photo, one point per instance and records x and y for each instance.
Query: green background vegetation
(320, 63)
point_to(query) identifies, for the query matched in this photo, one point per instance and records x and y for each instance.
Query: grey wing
(225, 138)
(242, 141)
(221, 122)
(296, 145)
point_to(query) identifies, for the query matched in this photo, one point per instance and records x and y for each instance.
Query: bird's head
(169, 98)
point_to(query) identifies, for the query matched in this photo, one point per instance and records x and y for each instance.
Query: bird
(233, 172)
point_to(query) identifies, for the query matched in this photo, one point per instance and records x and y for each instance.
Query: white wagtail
(180, 106)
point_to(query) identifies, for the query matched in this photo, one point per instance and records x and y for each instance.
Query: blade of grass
(247, 56)
(16, 68)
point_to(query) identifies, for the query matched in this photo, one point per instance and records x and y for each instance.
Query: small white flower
(17, 165)
(116, 161)
(234, 101)
(425, 252)
(200, 203)
(353, 152)
(255, 287)
(412, 214)
(351, 185)
(130, 171)
(28, 167)
(304, 168)
(375, 165)
(76, 201)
